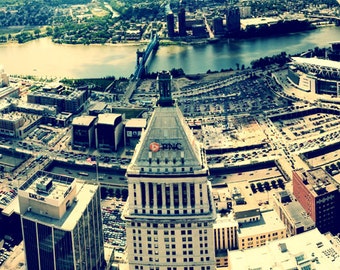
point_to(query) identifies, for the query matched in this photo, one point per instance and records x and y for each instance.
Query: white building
(308, 250)
(170, 211)
(61, 223)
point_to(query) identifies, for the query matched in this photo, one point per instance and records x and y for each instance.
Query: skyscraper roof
(168, 145)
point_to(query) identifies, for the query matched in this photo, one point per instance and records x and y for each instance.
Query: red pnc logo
(154, 147)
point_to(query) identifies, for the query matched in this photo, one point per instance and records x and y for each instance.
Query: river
(43, 58)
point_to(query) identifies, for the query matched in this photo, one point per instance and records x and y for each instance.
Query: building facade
(170, 22)
(314, 75)
(233, 20)
(61, 223)
(170, 211)
(83, 132)
(133, 131)
(225, 235)
(319, 196)
(109, 131)
(261, 228)
(182, 29)
(292, 213)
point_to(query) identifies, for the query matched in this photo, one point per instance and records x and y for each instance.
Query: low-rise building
(259, 228)
(133, 131)
(318, 194)
(292, 213)
(225, 235)
(109, 131)
(308, 250)
(83, 132)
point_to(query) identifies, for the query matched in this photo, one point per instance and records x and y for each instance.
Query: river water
(45, 59)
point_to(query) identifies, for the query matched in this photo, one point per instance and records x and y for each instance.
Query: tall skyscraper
(319, 196)
(182, 30)
(170, 21)
(233, 20)
(61, 223)
(170, 211)
(218, 26)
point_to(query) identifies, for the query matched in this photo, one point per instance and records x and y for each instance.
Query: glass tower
(61, 223)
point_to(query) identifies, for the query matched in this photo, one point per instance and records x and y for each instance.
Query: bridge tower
(140, 55)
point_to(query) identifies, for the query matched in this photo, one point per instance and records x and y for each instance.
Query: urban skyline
(236, 169)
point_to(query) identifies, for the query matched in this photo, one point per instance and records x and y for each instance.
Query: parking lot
(113, 226)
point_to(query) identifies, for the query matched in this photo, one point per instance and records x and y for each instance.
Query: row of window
(167, 225)
(174, 268)
(172, 259)
(166, 232)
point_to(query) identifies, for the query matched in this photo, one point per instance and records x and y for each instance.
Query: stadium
(315, 75)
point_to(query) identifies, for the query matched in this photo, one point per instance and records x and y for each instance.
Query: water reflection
(44, 58)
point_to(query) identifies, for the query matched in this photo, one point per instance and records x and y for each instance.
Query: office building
(109, 131)
(257, 228)
(170, 211)
(170, 21)
(61, 223)
(218, 26)
(233, 20)
(292, 213)
(64, 100)
(182, 29)
(133, 131)
(225, 235)
(316, 191)
(83, 132)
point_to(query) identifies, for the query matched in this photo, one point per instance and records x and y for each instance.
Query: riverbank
(43, 58)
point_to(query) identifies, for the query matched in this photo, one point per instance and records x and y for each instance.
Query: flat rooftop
(136, 123)
(84, 120)
(84, 194)
(108, 118)
(308, 248)
(58, 193)
(269, 221)
(317, 180)
(296, 211)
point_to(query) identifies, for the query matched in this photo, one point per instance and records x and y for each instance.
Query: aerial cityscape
(167, 168)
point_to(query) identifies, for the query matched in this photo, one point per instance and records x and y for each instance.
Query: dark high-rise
(233, 20)
(170, 20)
(182, 31)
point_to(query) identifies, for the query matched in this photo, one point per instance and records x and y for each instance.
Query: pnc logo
(154, 147)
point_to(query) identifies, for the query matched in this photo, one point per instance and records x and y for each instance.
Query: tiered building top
(167, 146)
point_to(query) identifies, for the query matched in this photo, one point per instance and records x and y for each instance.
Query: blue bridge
(143, 56)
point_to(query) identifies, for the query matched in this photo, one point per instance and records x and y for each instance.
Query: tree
(125, 194)
(37, 32)
(118, 193)
(103, 192)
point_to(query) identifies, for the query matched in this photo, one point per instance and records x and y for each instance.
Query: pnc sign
(155, 147)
